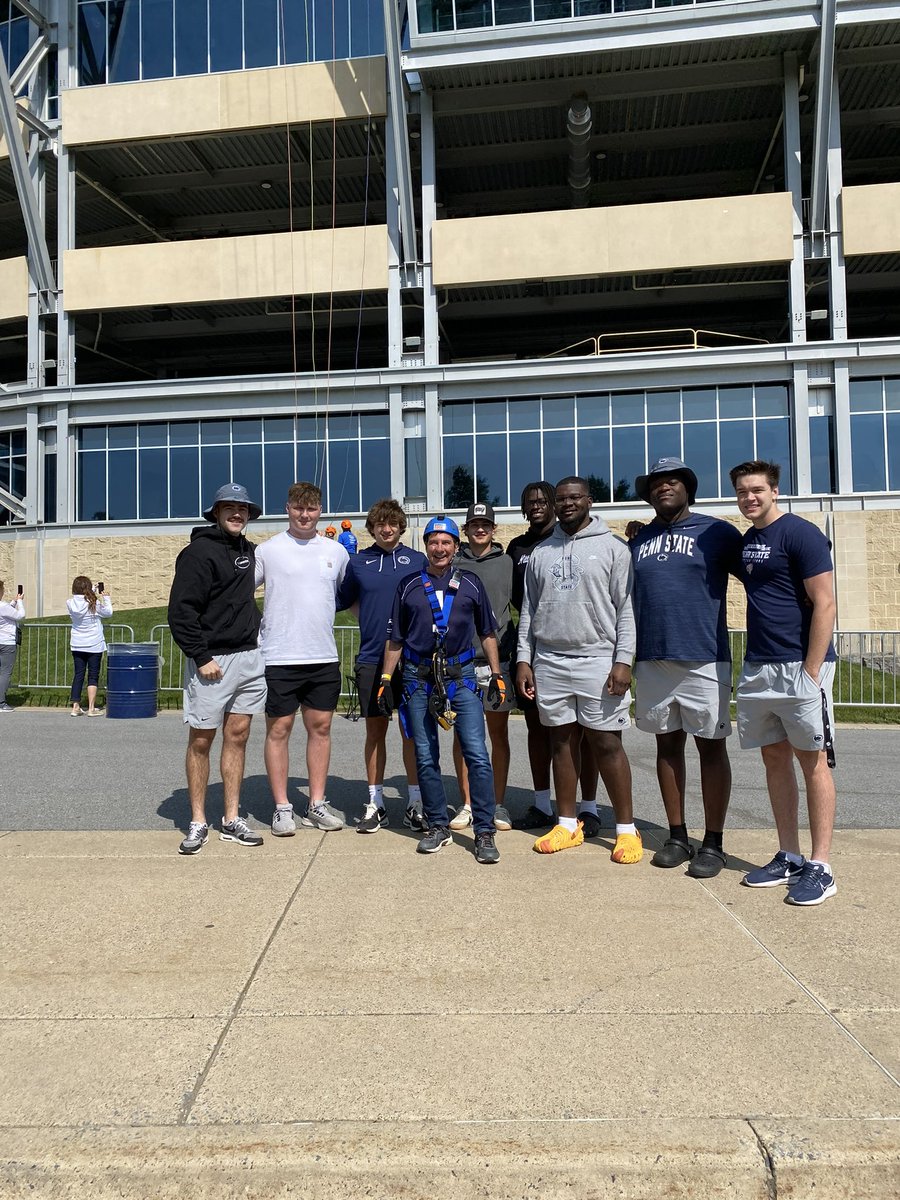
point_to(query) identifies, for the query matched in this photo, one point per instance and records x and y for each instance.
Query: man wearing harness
(435, 617)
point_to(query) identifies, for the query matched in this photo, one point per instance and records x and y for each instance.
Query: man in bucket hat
(215, 621)
(682, 670)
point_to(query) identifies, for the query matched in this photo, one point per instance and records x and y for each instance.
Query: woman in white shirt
(11, 613)
(88, 610)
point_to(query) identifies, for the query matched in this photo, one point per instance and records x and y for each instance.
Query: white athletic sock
(376, 794)
(588, 806)
(283, 807)
(542, 801)
(826, 867)
(620, 829)
(415, 793)
(569, 823)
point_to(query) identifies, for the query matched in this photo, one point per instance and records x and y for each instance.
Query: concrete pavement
(335, 1016)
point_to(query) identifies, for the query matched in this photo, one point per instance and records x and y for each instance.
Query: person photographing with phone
(88, 609)
(12, 613)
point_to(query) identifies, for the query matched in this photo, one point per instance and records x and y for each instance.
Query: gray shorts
(483, 679)
(570, 689)
(779, 700)
(242, 689)
(693, 696)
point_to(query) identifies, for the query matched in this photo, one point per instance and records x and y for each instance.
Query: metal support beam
(399, 133)
(793, 179)
(395, 310)
(32, 466)
(37, 51)
(12, 504)
(842, 444)
(824, 82)
(429, 215)
(395, 419)
(35, 14)
(434, 475)
(64, 12)
(39, 266)
(802, 461)
(837, 273)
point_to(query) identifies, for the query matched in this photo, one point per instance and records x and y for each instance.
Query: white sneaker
(462, 819)
(321, 818)
(283, 824)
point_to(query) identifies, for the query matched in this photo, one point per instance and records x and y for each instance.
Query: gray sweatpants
(7, 662)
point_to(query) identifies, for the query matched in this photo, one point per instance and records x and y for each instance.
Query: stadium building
(437, 251)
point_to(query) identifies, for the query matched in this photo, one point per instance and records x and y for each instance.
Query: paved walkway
(335, 1016)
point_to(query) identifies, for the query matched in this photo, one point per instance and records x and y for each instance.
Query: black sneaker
(485, 850)
(534, 819)
(435, 839)
(373, 819)
(590, 824)
(239, 831)
(414, 818)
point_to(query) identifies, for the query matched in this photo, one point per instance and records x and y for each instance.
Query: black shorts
(368, 681)
(312, 685)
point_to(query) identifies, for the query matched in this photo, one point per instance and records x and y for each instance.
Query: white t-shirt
(301, 577)
(11, 613)
(87, 626)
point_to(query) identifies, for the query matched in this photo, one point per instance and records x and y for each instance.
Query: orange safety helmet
(346, 524)
(331, 531)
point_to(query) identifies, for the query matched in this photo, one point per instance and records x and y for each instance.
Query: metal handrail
(692, 339)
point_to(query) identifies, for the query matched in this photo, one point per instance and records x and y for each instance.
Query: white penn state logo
(404, 559)
(242, 563)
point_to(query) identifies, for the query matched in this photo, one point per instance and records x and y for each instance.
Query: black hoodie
(211, 605)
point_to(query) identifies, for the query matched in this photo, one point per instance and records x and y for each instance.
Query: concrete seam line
(191, 1099)
(808, 991)
(768, 1163)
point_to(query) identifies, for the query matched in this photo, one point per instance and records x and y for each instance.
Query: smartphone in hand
(20, 591)
(100, 587)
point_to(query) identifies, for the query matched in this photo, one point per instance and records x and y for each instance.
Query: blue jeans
(470, 730)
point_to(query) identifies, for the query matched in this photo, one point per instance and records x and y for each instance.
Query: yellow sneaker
(628, 848)
(559, 838)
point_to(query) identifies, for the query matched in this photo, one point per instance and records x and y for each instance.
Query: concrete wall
(13, 288)
(200, 104)
(235, 268)
(613, 241)
(138, 570)
(871, 216)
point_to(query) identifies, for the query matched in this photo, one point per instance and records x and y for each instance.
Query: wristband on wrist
(386, 678)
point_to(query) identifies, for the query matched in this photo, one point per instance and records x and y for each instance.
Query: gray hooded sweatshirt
(578, 597)
(495, 570)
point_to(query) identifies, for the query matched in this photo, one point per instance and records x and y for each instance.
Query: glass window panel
(559, 455)
(91, 44)
(184, 482)
(184, 433)
(343, 476)
(559, 413)
(124, 24)
(593, 410)
(892, 394)
(247, 467)
(490, 416)
(226, 46)
(473, 14)
(18, 41)
(91, 487)
(311, 464)
(215, 469)
(513, 12)
(366, 28)
(4, 443)
(772, 400)
(248, 430)
(459, 472)
(157, 40)
(374, 425)
(49, 489)
(297, 31)
(457, 418)
(17, 477)
(736, 402)
(215, 433)
(699, 404)
(122, 436)
(122, 467)
(261, 33)
(4, 475)
(663, 407)
(893, 450)
(735, 446)
(629, 461)
(524, 462)
(867, 446)
(593, 462)
(153, 491)
(17, 442)
(278, 429)
(663, 441)
(490, 467)
(866, 395)
(153, 435)
(92, 437)
(773, 444)
(376, 470)
(324, 43)
(279, 462)
(343, 426)
(191, 37)
(414, 469)
(524, 414)
(311, 429)
(700, 452)
(821, 453)
(627, 408)
(551, 10)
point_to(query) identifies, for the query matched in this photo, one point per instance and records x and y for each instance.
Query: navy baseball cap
(234, 493)
(667, 466)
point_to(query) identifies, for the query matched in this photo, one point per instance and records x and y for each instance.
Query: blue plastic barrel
(132, 678)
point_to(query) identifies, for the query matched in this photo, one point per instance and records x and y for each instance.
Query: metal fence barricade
(45, 660)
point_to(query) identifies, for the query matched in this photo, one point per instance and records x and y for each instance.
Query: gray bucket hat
(667, 466)
(235, 493)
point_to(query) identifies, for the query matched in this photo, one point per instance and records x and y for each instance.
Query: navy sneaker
(435, 839)
(779, 870)
(814, 885)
